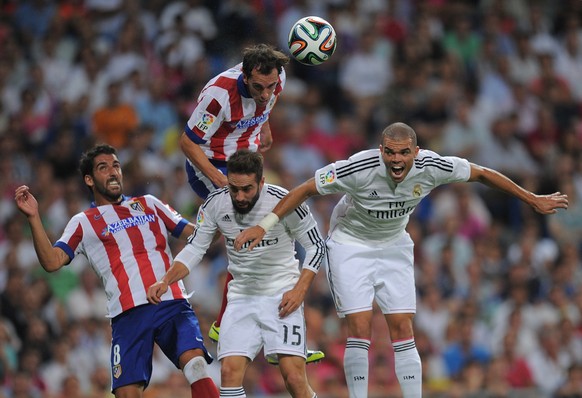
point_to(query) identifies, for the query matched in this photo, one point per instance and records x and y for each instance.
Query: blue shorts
(199, 182)
(172, 325)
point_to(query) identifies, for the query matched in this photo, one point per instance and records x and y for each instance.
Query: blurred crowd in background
(496, 81)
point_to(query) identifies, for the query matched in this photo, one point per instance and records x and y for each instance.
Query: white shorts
(250, 323)
(357, 275)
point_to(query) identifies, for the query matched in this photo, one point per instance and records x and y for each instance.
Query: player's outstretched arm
(289, 202)
(51, 258)
(176, 272)
(543, 204)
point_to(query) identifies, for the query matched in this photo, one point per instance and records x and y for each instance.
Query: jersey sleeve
(200, 240)
(205, 119)
(70, 240)
(328, 180)
(173, 221)
(461, 170)
(303, 228)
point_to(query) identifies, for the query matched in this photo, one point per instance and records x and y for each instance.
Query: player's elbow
(51, 265)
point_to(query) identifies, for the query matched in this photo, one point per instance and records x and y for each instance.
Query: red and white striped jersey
(226, 117)
(127, 245)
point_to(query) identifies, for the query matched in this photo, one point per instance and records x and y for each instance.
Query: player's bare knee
(231, 373)
(401, 328)
(361, 330)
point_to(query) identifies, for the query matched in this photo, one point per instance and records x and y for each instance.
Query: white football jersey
(271, 267)
(374, 208)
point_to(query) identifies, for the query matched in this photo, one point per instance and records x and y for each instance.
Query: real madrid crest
(417, 191)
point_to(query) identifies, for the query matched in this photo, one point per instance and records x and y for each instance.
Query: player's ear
(88, 180)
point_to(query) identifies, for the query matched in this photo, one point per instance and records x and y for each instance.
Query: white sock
(232, 392)
(408, 368)
(195, 370)
(356, 366)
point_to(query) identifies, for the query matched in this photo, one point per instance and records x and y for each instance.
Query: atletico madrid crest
(117, 371)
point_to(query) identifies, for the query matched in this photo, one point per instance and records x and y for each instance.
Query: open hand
(548, 204)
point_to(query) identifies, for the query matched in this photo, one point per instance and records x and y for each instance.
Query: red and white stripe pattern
(127, 245)
(226, 118)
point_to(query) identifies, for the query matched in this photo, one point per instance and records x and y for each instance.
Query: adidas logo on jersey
(226, 218)
(374, 195)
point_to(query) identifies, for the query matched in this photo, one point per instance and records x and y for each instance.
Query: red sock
(204, 388)
(224, 301)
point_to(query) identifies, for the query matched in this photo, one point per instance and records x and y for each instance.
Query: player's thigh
(132, 343)
(351, 277)
(283, 335)
(178, 331)
(201, 184)
(395, 288)
(240, 332)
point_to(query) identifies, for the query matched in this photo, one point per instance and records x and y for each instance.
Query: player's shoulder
(364, 161)
(431, 161)
(216, 199)
(275, 192)
(366, 155)
(230, 75)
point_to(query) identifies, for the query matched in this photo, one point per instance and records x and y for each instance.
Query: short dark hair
(399, 131)
(87, 161)
(264, 58)
(246, 162)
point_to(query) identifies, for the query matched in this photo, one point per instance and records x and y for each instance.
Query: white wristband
(269, 221)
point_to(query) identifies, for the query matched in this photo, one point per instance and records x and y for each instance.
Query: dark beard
(246, 210)
(113, 198)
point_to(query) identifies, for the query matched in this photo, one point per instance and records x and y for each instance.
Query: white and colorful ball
(312, 40)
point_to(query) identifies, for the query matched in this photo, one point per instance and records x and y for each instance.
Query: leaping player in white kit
(232, 112)
(369, 251)
(265, 296)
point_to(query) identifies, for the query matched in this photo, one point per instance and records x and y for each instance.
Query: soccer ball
(312, 40)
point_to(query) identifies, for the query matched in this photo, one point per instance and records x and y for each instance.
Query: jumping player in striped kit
(232, 113)
(369, 251)
(125, 240)
(265, 297)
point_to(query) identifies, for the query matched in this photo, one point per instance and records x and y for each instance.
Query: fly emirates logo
(395, 210)
(263, 243)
